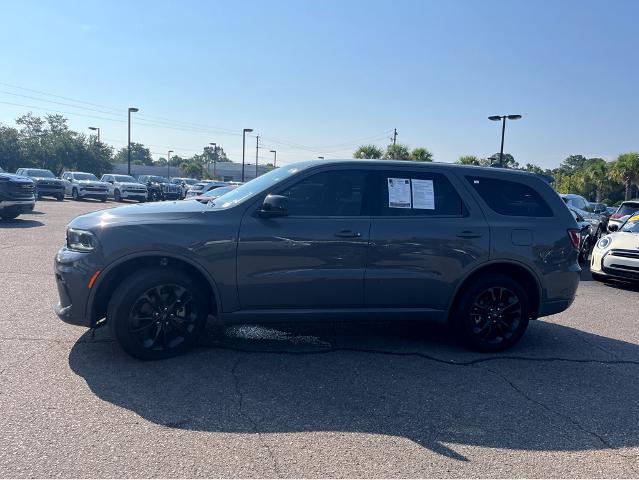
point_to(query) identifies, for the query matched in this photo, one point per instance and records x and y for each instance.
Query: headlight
(604, 243)
(80, 240)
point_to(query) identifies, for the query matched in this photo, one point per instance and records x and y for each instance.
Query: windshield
(632, 225)
(84, 176)
(40, 173)
(156, 179)
(124, 178)
(628, 208)
(190, 181)
(255, 186)
(218, 191)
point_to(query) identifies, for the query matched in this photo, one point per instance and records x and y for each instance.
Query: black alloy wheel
(492, 314)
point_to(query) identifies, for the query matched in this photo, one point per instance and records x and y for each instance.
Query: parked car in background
(616, 256)
(46, 183)
(159, 188)
(203, 187)
(213, 194)
(601, 209)
(586, 239)
(17, 195)
(124, 187)
(583, 208)
(611, 210)
(623, 213)
(82, 185)
(485, 249)
(184, 183)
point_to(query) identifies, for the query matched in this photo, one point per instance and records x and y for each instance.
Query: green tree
(192, 169)
(470, 160)
(421, 154)
(138, 152)
(10, 155)
(625, 170)
(530, 167)
(397, 151)
(368, 152)
(508, 160)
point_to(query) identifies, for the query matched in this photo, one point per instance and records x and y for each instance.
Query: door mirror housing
(274, 206)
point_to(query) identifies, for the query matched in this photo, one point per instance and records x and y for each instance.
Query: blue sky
(320, 77)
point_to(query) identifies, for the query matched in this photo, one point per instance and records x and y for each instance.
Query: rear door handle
(348, 234)
(468, 234)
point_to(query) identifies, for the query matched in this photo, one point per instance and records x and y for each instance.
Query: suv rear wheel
(157, 313)
(492, 314)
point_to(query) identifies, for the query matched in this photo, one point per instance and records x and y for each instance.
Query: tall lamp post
(502, 118)
(274, 152)
(214, 158)
(244, 132)
(131, 110)
(168, 164)
(98, 129)
(257, 148)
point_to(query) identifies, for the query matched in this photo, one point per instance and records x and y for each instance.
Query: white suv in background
(84, 185)
(125, 187)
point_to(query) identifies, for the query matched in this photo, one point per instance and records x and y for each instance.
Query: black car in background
(46, 183)
(17, 195)
(586, 238)
(160, 188)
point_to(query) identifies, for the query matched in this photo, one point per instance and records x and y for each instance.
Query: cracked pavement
(332, 400)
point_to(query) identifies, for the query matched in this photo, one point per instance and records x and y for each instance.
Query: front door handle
(348, 234)
(468, 234)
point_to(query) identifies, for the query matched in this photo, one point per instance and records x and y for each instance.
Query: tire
(153, 196)
(584, 252)
(116, 195)
(74, 194)
(481, 329)
(597, 277)
(103, 199)
(60, 198)
(140, 303)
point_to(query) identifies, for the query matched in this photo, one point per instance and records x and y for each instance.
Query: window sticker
(399, 193)
(423, 194)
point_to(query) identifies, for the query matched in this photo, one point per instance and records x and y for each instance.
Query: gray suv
(483, 249)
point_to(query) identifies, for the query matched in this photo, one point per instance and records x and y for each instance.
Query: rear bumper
(560, 291)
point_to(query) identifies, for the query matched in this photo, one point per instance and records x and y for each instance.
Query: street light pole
(131, 110)
(257, 147)
(98, 129)
(497, 118)
(168, 165)
(244, 132)
(214, 159)
(274, 152)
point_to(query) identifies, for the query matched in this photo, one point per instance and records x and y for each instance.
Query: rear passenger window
(408, 193)
(510, 198)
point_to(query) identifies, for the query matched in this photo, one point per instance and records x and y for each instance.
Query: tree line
(49, 143)
(593, 178)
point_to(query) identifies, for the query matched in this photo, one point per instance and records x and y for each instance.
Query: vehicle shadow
(20, 223)
(560, 389)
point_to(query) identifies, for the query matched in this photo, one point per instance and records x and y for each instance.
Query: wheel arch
(519, 272)
(117, 271)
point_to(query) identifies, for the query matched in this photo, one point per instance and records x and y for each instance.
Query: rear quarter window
(510, 198)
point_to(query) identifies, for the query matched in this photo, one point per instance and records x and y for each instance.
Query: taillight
(573, 234)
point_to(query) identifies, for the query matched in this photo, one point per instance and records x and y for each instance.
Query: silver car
(81, 185)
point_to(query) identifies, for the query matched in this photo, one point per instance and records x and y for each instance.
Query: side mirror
(111, 182)
(613, 228)
(274, 206)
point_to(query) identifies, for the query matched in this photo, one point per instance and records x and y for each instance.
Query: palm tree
(421, 154)
(625, 170)
(596, 174)
(368, 151)
(397, 152)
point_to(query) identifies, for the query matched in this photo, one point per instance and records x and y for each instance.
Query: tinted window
(338, 193)
(510, 198)
(628, 208)
(424, 193)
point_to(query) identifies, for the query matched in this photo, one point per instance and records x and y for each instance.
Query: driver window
(338, 193)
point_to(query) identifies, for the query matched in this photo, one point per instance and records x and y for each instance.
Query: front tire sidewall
(74, 194)
(462, 321)
(116, 196)
(126, 295)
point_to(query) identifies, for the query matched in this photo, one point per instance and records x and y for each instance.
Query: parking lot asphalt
(314, 401)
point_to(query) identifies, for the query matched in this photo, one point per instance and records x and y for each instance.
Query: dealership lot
(375, 401)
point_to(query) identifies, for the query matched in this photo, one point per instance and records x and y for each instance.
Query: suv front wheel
(492, 314)
(157, 313)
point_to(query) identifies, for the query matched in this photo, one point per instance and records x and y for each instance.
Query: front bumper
(92, 194)
(616, 264)
(49, 190)
(22, 206)
(133, 195)
(73, 271)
